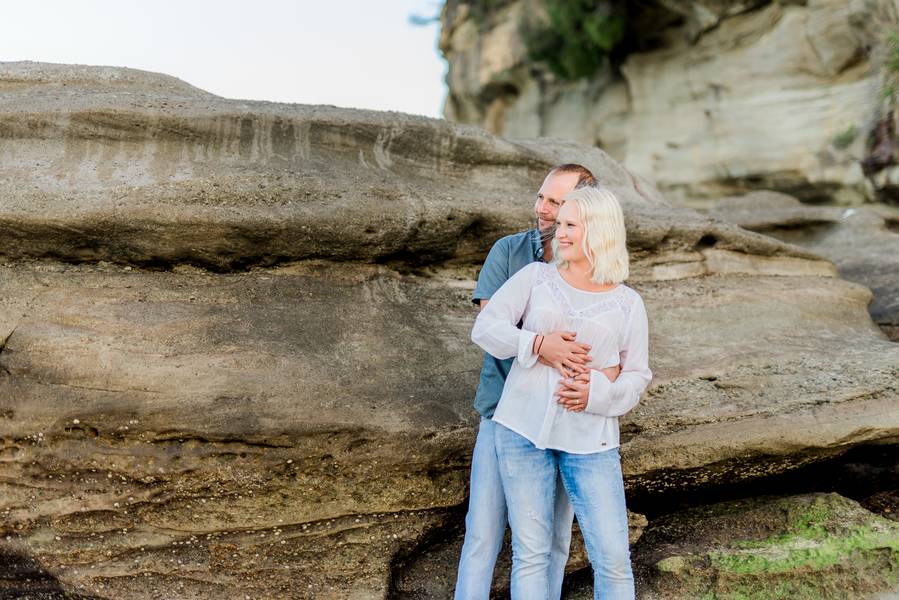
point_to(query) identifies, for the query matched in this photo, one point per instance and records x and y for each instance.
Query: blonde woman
(549, 423)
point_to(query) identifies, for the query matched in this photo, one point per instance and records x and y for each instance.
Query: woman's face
(570, 233)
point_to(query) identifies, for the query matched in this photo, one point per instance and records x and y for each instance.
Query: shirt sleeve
(494, 273)
(495, 329)
(615, 399)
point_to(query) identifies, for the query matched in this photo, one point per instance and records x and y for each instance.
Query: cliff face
(710, 98)
(234, 354)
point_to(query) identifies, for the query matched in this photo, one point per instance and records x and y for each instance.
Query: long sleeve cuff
(600, 399)
(526, 356)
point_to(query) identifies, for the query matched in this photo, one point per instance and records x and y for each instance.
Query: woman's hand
(574, 392)
(560, 351)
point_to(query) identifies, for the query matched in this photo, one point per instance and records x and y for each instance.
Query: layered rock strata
(705, 98)
(862, 241)
(234, 355)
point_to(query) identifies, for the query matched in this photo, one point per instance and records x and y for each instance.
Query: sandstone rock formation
(862, 241)
(234, 355)
(712, 98)
(808, 546)
(431, 573)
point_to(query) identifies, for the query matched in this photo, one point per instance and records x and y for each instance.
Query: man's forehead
(558, 184)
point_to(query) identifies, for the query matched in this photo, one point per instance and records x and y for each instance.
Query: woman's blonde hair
(605, 238)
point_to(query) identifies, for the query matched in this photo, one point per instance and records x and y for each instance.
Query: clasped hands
(571, 358)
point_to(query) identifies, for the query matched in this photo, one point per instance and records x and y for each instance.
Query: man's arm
(494, 273)
(614, 396)
(574, 392)
(558, 349)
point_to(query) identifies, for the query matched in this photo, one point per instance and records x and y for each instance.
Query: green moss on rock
(801, 547)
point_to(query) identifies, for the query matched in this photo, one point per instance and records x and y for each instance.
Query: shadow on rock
(24, 578)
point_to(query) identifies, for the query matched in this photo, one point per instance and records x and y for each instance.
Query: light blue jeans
(485, 525)
(595, 486)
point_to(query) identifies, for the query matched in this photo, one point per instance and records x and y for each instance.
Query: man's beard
(546, 234)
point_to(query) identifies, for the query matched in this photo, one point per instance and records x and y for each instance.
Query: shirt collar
(536, 245)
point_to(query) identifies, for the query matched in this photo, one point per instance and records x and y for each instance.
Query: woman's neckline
(577, 289)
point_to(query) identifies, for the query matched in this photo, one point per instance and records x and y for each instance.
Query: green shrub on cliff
(891, 67)
(576, 36)
(480, 11)
(844, 139)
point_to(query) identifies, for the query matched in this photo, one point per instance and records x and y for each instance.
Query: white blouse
(613, 323)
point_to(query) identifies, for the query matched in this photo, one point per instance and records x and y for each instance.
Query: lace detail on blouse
(543, 273)
(617, 298)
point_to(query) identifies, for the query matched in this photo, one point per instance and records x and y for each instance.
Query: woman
(548, 423)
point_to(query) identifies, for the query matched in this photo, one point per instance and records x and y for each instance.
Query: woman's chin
(569, 254)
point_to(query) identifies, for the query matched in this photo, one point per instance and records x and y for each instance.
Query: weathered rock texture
(862, 241)
(800, 547)
(711, 98)
(234, 355)
(431, 572)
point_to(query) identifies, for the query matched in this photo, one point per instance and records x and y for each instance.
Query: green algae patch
(818, 537)
(800, 547)
(799, 553)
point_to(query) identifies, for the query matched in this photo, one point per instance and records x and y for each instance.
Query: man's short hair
(585, 177)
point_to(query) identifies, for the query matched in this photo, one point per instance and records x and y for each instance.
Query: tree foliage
(576, 36)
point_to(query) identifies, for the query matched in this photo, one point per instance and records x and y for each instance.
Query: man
(485, 523)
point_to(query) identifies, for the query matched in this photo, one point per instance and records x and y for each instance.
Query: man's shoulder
(514, 240)
(520, 237)
(506, 257)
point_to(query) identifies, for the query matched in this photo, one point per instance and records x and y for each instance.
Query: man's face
(549, 198)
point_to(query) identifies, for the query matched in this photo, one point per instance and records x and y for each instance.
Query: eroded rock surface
(808, 546)
(710, 98)
(430, 574)
(235, 357)
(862, 241)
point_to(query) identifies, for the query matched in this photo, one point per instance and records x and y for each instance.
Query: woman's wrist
(538, 342)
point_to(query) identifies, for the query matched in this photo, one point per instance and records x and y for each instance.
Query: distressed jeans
(485, 525)
(595, 487)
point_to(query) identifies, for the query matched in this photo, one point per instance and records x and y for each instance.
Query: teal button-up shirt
(507, 256)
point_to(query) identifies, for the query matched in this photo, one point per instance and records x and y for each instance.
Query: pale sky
(351, 53)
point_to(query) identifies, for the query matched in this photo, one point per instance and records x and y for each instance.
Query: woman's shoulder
(628, 292)
(535, 269)
(530, 274)
(628, 298)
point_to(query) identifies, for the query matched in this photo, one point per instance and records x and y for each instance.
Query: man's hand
(611, 372)
(574, 392)
(560, 351)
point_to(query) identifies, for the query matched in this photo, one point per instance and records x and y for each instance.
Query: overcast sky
(361, 53)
